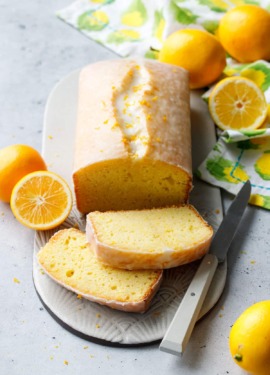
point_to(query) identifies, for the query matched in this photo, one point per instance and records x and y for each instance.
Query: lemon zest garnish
(146, 103)
(128, 126)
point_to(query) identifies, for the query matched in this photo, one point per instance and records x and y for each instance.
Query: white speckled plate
(88, 319)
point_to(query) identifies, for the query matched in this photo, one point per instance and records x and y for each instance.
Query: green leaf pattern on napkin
(159, 25)
(226, 170)
(135, 15)
(183, 15)
(123, 35)
(93, 20)
(262, 166)
(231, 164)
(149, 22)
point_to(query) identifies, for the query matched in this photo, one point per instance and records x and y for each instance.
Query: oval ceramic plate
(88, 319)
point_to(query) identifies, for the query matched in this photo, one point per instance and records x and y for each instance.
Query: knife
(180, 329)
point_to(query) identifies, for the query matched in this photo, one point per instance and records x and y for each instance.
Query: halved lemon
(41, 200)
(237, 103)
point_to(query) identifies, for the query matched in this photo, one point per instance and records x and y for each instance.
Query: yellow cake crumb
(150, 239)
(15, 280)
(81, 272)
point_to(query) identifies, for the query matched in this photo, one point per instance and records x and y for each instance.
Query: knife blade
(180, 329)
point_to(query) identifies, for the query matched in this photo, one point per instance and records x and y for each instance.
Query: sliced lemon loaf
(133, 141)
(69, 260)
(149, 239)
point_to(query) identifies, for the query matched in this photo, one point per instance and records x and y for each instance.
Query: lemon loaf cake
(133, 142)
(68, 259)
(149, 239)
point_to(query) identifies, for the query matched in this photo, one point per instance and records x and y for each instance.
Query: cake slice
(149, 239)
(69, 260)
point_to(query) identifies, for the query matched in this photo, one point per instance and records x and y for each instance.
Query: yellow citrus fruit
(197, 51)
(15, 162)
(249, 339)
(41, 200)
(237, 103)
(244, 33)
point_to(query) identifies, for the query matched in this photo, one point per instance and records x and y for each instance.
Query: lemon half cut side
(237, 103)
(41, 200)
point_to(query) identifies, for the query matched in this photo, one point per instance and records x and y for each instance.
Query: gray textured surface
(37, 50)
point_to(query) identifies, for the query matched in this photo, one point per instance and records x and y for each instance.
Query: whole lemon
(16, 161)
(244, 32)
(250, 339)
(197, 51)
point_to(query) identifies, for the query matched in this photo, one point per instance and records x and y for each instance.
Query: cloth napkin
(241, 155)
(139, 27)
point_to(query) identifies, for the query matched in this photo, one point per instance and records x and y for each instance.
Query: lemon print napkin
(138, 27)
(242, 155)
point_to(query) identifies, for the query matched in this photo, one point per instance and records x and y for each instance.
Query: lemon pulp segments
(237, 103)
(41, 200)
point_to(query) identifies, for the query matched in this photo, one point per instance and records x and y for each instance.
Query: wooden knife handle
(180, 329)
